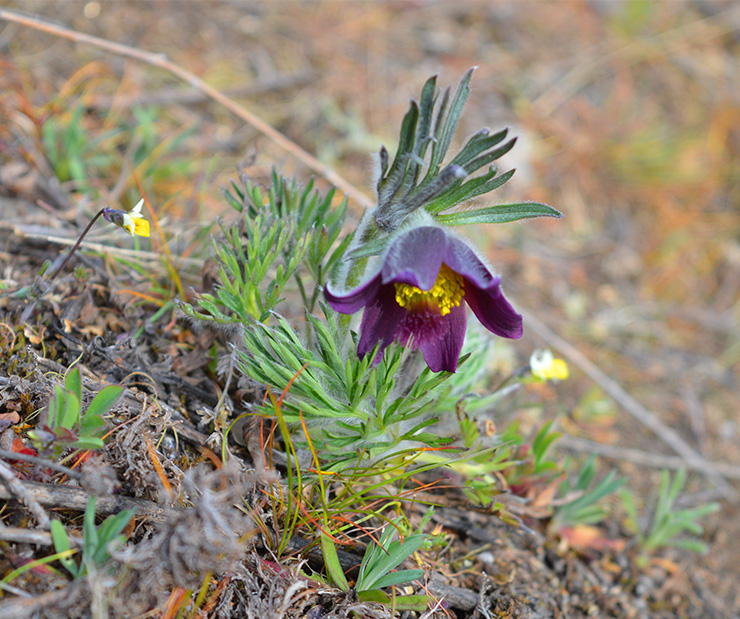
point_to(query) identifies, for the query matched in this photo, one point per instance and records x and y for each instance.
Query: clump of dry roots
(129, 452)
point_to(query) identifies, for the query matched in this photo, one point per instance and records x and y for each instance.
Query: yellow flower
(545, 366)
(131, 221)
(134, 222)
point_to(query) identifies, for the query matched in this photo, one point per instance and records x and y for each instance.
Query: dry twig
(643, 457)
(160, 60)
(22, 608)
(14, 488)
(70, 497)
(21, 535)
(50, 464)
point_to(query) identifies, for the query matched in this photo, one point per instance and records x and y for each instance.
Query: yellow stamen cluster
(446, 293)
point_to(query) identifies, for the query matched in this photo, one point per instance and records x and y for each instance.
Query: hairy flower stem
(353, 270)
(76, 245)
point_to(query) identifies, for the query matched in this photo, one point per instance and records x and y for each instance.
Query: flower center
(446, 293)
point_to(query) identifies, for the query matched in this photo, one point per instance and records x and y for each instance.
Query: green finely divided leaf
(468, 190)
(584, 509)
(479, 143)
(346, 390)
(445, 129)
(399, 189)
(293, 233)
(426, 109)
(430, 126)
(503, 213)
(669, 522)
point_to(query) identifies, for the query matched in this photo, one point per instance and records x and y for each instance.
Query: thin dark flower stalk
(76, 245)
(131, 221)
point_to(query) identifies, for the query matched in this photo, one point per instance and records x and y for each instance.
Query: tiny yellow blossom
(134, 222)
(131, 221)
(545, 366)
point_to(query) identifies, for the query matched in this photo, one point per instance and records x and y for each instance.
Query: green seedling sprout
(378, 565)
(669, 525)
(67, 425)
(96, 540)
(585, 507)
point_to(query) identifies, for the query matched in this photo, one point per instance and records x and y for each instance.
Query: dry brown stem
(638, 456)
(14, 488)
(70, 497)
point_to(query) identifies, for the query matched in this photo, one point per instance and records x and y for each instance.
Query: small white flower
(545, 366)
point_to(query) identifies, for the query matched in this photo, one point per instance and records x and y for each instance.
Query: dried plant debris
(132, 453)
(210, 536)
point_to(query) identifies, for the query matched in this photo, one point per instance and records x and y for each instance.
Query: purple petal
(380, 322)
(354, 300)
(415, 257)
(463, 260)
(482, 291)
(493, 311)
(442, 349)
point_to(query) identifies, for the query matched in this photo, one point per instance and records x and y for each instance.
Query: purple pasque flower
(418, 298)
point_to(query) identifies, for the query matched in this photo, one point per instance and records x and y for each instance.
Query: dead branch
(70, 497)
(49, 464)
(645, 458)
(14, 488)
(21, 608)
(22, 535)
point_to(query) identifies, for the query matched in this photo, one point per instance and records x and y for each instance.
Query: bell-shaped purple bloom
(418, 298)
